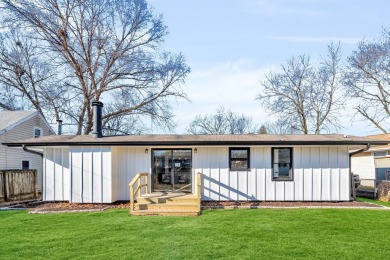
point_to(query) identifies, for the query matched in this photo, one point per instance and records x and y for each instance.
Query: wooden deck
(167, 204)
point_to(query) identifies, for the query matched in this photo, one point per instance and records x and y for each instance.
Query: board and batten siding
(127, 162)
(91, 175)
(319, 174)
(100, 174)
(56, 175)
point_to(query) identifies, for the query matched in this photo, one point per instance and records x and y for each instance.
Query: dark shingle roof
(182, 140)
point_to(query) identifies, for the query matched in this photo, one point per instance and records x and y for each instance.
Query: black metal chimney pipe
(59, 127)
(97, 119)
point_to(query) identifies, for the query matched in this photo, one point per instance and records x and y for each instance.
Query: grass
(231, 234)
(378, 202)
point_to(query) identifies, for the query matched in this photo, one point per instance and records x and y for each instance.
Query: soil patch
(282, 204)
(47, 207)
(40, 206)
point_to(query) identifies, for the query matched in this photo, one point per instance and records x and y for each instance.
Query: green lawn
(236, 234)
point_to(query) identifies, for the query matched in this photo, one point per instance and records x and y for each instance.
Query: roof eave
(196, 143)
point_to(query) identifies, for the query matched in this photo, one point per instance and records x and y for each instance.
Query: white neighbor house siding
(102, 174)
(11, 157)
(364, 165)
(320, 174)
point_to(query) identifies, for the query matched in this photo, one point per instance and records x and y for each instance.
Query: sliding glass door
(172, 170)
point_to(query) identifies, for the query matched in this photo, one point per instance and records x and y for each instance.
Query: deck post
(199, 188)
(131, 197)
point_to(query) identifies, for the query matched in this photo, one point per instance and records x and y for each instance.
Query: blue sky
(231, 44)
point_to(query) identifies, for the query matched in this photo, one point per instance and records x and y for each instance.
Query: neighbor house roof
(380, 137)
(10, 119)
(182, 140)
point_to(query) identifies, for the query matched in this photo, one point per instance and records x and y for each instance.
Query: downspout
(31, 151)
(361, 150)
(350, 157)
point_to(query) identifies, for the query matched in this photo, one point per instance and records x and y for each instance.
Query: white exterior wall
(91, 175)
(320, 174)
(364, 166)
(56, 176)
(127, 162)
(99, 174)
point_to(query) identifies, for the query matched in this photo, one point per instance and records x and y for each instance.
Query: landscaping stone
(384, 191)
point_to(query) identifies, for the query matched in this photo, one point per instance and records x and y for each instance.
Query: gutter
(361, 150)
(193, 143)
(356, 152)
(31, 151)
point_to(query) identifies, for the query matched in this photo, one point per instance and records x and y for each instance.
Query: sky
(231, 44)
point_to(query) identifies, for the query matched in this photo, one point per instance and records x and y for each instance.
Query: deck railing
(141, 179)
(199, 188)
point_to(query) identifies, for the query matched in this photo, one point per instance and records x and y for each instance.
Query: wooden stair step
(165, 213)
(170, 206)
(145, 200)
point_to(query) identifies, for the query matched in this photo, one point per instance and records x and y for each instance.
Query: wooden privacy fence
(18, 185)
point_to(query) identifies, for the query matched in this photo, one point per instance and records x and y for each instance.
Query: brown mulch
(286, 204)
(66, 206)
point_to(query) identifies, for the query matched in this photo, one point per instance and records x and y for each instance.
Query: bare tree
(103, 50)
(222, 122)
(281, 126)
(26, 80)
(304, 97)
(367, 81)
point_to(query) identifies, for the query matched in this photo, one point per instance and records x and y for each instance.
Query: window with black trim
(37, 132)
(282, 164)
(25, 165)
(239, 159)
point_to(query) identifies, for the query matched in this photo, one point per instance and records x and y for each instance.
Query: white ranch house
(98, 169)
(83, 169)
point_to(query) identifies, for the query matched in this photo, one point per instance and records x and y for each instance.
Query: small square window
(239, 159)
(25, 165)
(282, 164)
(37, 132)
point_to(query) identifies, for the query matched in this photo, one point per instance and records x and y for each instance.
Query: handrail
(138, 179)
(199, 188)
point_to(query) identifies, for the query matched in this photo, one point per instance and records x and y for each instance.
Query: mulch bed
(39, 206)
(286, 204)
(44, 207)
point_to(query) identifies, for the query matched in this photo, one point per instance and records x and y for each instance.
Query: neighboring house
(19, 125)
(98, 169)
(372, 164)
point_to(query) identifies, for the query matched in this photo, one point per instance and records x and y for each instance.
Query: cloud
(303, 39)
(233, 85)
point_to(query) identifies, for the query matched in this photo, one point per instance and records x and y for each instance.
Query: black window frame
(24, 168)
(239, 159)
(291, 178)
